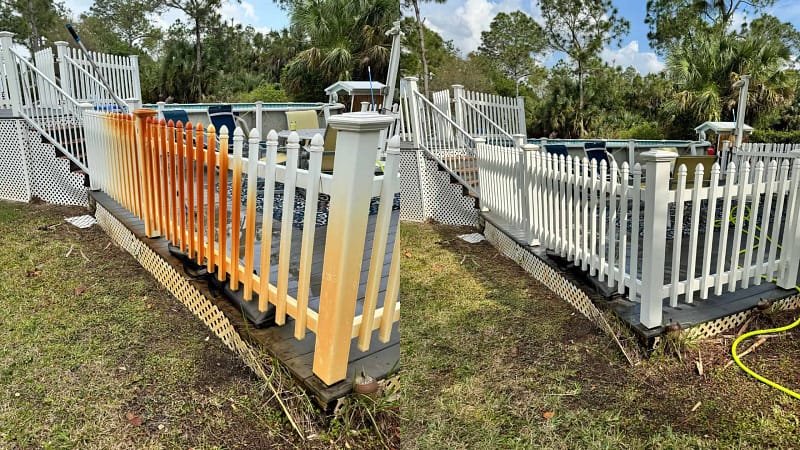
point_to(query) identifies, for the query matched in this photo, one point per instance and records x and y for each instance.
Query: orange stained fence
(175, 178)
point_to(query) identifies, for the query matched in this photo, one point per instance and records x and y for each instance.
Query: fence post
(64, 74)
(656, 209)
(527, 206)
(631, 153)
(353, 172)
(141, 132)
(458, 96)
(487, 194)
(14, 95)
(412, 88)
(93, 156)
(160, 109)
(523, 125)
(259, 119)
(137, 87)
(790, 263)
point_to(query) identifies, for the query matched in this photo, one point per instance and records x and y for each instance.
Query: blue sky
(264, 15)
(463, 20)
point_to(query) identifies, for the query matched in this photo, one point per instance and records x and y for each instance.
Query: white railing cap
(657, 156)
(360, 121)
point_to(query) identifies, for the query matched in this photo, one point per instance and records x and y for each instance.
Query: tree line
(705, 48)
(203, 58)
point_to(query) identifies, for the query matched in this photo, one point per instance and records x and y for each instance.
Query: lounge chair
(556, 149)
(305, 119)
(329, 147)
(691, 163)
(176, 115)
(222, 115)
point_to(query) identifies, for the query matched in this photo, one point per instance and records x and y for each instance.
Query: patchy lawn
(94, 353)
(492, 359)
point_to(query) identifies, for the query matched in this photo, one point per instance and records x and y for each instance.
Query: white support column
(790, 252)
(14, 94)
(65, 75)
(137, 87)
(631, 153)
(353, 172)
(523, 125)
(656, 208)
(160, 110)
(527, 205)
(259, 123)
(458, 96)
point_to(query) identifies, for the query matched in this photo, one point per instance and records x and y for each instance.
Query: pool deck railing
(175, 179)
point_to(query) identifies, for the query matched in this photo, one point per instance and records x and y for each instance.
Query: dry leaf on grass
(133, 419)
(548, 415)
(407, 254)
(80, 290)
(33, 273)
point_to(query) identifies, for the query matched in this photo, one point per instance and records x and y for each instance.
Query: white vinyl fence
(81, 81)
(672, 236)
(431, 129)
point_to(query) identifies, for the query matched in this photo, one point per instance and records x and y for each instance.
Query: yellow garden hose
(750, 371)
(741, 338)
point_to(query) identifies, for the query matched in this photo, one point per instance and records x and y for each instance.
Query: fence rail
(675, 236)
(176, 180)
(496, 112)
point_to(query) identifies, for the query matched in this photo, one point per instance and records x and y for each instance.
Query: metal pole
(100, 77)
(743, 84)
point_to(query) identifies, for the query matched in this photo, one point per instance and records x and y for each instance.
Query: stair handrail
(420, 96)
(468, 139)
(497, 127)
(70, 105)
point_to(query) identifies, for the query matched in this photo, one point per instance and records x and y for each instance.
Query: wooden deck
(380, 361)
(700, 311)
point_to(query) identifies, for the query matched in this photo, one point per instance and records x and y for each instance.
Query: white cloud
(243, 12)
(630, 56)
(465, 23)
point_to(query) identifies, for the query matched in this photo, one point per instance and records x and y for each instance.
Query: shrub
(644, 130)
(776, 137)
(265, 92)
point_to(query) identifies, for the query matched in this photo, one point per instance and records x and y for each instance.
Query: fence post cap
(393, 146)
(316, 144)
(61, 43)
(530, 147)
(657, 156)
(144, 112)
(458, 86)
(85, 105)
(479, 139)
(361, 121)
(411, 78)
(6, 34)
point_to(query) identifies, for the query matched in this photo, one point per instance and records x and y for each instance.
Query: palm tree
(420, 30)
(345, 37)
(704, 68)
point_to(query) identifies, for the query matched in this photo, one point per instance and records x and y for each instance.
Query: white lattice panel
(410, 195)
(446, 201)
(14, 176)
(559, 285)
(50, 177)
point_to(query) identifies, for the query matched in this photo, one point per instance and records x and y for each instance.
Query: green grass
(487, 351)
(78, 369)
